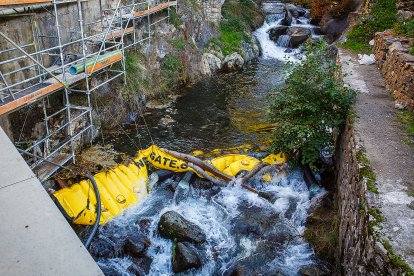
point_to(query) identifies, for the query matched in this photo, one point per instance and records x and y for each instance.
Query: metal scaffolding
(75, 60)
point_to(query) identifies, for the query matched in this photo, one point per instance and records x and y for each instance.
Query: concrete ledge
(35, 238)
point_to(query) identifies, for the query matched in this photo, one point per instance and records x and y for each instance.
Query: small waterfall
(283, 41)
(277, 50)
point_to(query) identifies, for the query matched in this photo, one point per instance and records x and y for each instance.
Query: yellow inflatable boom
(125, 185)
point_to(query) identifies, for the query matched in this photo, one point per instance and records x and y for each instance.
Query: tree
(310, 106)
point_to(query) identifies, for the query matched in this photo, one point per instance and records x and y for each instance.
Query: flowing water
(242, 229)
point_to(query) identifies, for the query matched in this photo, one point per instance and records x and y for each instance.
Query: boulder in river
(136, 244)
(102, 248)
(210, 63)
(274, 33)
(233, 62)
(292, 9)
(298, 35)
(140, 266)
(287, 20)
(174, 226)
(301, 11)
(185, 256)
(314, 270)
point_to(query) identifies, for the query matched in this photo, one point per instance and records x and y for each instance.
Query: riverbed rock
(175, 227)
(301, 11)
(102, 248)
(140, 266)
(298, 35)
(136, 245)
(314, 270)
(210, 63)
(233, 62)
(287, 20)
(274, 33)
(292, 9)
(185, 256)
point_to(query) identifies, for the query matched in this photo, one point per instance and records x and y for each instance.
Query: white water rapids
(242, 229)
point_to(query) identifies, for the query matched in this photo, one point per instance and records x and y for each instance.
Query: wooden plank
(21, 2)
(152, 10)
(15, 104)
(118, 34)
(104, 63)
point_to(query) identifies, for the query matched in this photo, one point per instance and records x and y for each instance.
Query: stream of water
(242, 229)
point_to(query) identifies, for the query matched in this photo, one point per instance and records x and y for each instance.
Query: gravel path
(379, 131)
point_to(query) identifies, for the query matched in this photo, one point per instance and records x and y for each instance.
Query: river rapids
(244, 232)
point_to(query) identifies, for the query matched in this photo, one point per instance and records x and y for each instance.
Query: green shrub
(174, 19)
(310, 107)
(178, 44)
(383, 16)
(405, 28)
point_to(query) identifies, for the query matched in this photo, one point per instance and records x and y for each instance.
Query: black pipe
(98, 215)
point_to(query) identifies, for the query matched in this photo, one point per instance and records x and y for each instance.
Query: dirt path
(392, 160)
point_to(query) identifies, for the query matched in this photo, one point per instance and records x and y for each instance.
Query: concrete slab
(35, 238)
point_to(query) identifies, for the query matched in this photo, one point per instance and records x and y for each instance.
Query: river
(243, 231)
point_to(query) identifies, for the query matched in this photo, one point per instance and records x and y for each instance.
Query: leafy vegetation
(320, 8)
(396, 260)
(178, 44)
(383, 15)
(239, 18)
(407, 119)
(322, 232)
(366, 172)
(174, 19)
(311, 106)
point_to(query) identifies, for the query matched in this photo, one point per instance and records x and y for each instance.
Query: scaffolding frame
(68, 62)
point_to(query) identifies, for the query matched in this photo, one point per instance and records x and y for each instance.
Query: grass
(174, 19)
(322, 232)
(396, 260)
(383, 15)
(366, 171)
(179, 44)
(406, 118)
(238, 20)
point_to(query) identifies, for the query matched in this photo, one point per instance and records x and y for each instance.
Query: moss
(396, 260)
(322, 232)
(366, 171)
(383, 15)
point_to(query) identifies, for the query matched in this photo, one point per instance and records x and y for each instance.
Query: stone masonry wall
(360, 250)
(397, 67)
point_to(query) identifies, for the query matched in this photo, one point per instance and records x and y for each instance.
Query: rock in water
(136, 244)
(287, 21)
(102, 248)
(174, 226)
(298, 35)
(183, 188)
(292, 9)
(314, 270)
(274, 33)
(185, 257)
(233, 62)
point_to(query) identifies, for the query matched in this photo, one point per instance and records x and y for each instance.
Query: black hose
(98, 215)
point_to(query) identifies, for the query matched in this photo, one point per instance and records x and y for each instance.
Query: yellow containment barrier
(126, 185)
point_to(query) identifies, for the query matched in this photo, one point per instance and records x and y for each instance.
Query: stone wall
(397, 66)
(360, 248)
